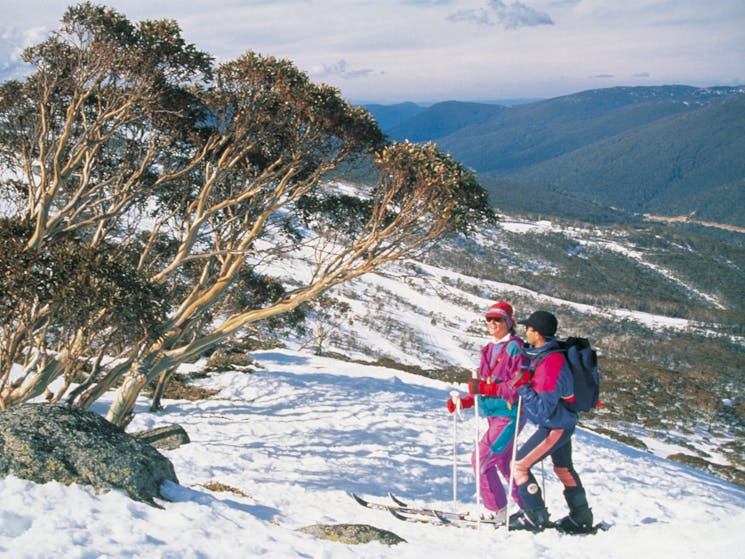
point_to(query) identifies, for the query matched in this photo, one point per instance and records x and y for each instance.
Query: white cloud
(342, 70)
(498, 13)
(399, 50)
(13, 41)
(10, 46)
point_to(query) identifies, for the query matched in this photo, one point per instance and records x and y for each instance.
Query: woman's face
(497, 327)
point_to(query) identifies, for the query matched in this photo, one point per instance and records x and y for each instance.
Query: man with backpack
(546, 387)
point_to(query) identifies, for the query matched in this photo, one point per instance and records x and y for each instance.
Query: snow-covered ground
(295, 436)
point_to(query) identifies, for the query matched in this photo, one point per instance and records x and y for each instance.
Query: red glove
(488, 388)
(465, 403)
(523, 378)
(476, 386)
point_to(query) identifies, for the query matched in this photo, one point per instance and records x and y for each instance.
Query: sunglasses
(495, 319)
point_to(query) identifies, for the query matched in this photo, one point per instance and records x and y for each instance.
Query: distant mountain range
(604, 154)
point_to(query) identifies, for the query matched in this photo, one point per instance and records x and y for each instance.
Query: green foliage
(442, 185)
(228, 361)
(156, 45)
(671, 264)
(253, 291)
(269, 104)
(342, 213)
(544, 200)
(82, 287)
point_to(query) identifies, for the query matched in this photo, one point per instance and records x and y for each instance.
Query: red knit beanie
(501, 310)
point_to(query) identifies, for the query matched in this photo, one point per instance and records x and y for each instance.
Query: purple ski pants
(493, 493)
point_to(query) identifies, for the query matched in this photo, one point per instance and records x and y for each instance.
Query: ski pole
(543, 479)
(456, 400)
(512, 462)
(477, 469)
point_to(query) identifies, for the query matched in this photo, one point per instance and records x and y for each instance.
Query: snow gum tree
(148, 191)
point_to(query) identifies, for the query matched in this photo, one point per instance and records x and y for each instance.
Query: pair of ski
(401, 510)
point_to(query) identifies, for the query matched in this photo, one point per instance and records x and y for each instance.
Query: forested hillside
(688, 162)
(667, 150)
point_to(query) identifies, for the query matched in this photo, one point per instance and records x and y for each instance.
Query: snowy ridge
(449, 319)
(423, 297)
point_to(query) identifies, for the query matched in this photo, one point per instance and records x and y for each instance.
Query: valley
(599, 155)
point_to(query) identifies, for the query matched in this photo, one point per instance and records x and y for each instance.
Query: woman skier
(501, 360)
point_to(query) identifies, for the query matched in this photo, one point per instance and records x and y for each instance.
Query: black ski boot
(535, 520)
(580, 519)
(533, 516)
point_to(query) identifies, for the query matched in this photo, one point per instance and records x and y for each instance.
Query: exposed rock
(727, 473)
(42, 442)
(352, 533)
(167, 438)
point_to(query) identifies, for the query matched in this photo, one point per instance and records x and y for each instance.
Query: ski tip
(359, 499)
(396, 500)
(397, 515)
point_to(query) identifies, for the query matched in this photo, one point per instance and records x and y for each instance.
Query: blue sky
(388, 51)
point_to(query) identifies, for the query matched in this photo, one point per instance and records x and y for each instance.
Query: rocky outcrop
(352, 533)
(42, 443)
(167, 437)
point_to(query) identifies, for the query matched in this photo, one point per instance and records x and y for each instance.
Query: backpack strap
(566, 400)
(541, 356)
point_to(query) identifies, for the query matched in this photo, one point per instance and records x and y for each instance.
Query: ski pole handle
(455, 397)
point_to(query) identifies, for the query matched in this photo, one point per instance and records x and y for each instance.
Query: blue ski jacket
(551, 382)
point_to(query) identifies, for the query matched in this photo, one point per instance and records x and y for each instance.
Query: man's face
(530, 335)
